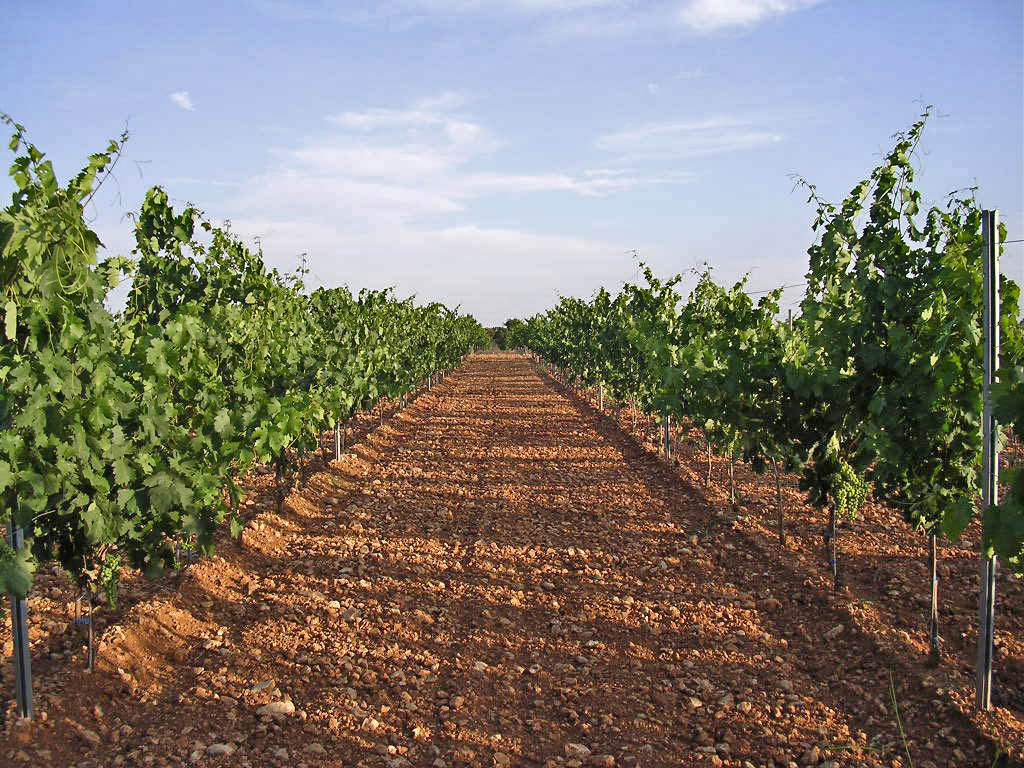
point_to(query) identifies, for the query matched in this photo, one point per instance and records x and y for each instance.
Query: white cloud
(463, 133)
(530, 6)
(435, 116)
(381, 182)
(399, 13)
(493, 272)
(356, 205)
(689, 74)
(387, 166)
(445, 100)
(376, 119)
(653, 89)
(196, 181)
(608, 171)
(598, 184)
(183, 100)
(551, 20)
(686, 139)
(604, 24)
(368, 161)
(713, 15)
(386, 197)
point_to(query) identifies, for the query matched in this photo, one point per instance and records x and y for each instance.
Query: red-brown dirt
(501, 576)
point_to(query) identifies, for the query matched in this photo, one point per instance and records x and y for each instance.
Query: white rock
(277, 708)
(577, 751)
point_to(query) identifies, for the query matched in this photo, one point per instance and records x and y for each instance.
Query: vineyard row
(877, 386)
(123, 434)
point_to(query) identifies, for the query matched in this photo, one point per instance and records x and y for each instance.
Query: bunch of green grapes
(849, 491)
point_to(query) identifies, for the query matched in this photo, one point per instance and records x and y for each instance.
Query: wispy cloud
(396, 185)
(596, 184)
(357, 11)
(399, 14)
(386, 164)
(518, 6)
(433, 110)
(714, 15)
(522, 272)
(608, 171)
(557, 19)
(183, 100)
(661, 140)
(604, 23)
(195, 180)
(689, 74)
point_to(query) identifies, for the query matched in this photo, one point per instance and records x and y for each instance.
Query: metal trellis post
(22, 658)
(990, 456)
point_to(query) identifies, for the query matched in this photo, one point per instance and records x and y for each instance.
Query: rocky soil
(501, 575)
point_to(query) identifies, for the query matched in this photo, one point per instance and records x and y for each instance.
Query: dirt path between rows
(496, 577)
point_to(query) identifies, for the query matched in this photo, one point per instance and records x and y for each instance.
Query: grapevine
(124, 435)
(875, 389)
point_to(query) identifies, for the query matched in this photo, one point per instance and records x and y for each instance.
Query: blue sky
(495, 154)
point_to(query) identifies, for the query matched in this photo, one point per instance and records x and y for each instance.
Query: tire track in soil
(494, 574)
